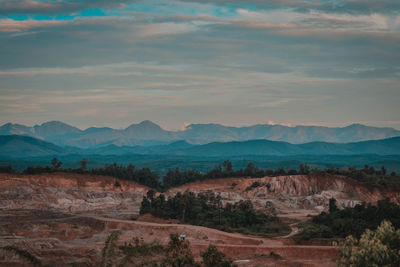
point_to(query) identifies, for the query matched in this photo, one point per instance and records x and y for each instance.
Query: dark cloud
(55, 7)
(234, 45)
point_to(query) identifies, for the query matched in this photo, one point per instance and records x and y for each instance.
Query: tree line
(143, 176)
(339, 223)
(206, 209)
(176, 177)
(177, 253)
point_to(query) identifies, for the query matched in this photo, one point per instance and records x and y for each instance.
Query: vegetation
(141, 176)
(367, 175)
(179, 253)
(56, 164)
(375, 248)
(109, 249)
(214, 258)
(176, 254)
(23, 254)
(350, 221)
(206, 209)
(176, 177)
(370, 176)
(7, 169)
(140, 249)
(253, 185)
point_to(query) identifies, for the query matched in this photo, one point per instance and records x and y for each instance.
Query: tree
(304, 168)
(108, 253)
(228, 169)
(56, 163)
(83, 163)
(212, 257)
(22, 253)
(179, 253)
(332, 205)
(383, 170)
(145, 206)
(375, 248)
(250, 169)
(150, 194)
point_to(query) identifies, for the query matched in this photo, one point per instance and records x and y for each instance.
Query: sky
(235, 62)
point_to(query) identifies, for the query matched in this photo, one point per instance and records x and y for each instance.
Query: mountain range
(148, 133)
(17, 146)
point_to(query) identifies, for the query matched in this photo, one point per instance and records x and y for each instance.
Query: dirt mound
(69, 181)
(80, 239)
(71, 193)
(293, 194)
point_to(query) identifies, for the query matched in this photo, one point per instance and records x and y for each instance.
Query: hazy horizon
(184, 125)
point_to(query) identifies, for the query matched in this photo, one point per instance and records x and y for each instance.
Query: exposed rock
(65, 218)
(294, 193)
(73, 193)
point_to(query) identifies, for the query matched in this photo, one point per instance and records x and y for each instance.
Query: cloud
(242, 67)
(11, 25)
(337, 6)
(239, 44)
(56, 7)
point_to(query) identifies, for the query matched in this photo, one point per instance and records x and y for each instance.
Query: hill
(389, 146)
(14, 146)
(148, 133)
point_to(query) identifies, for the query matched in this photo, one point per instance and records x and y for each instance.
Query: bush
(375, 248)
(350, 221)
(206, 209)
(212, 257)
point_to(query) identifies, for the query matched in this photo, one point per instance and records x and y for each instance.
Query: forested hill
(149, 133)
(389, 146)
(15, 146)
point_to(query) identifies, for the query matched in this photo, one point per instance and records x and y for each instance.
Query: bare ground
(66, 218)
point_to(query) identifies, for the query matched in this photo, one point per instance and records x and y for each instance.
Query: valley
(65, 218)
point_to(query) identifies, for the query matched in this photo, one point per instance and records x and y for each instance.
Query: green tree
(228, 169)
(332, 205)
(179, 253)
(304, 168)
(145, 206)
(383, 170)
(375, 248)
(150, 194)
(24, 254)
(212, 257)
(56, 164)
(250, 170)
(83, 163)
(108, 253)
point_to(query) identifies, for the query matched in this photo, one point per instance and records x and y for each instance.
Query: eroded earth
(64, 219)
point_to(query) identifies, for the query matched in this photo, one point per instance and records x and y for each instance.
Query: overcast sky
(235, 62)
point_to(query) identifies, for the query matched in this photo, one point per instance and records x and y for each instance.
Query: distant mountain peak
(10, 124)
(147, 124)
(52, 128)
(356, 125)
(54, 123)
(149, 132)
